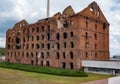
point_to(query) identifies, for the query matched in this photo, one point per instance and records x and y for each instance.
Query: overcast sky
(12, 11)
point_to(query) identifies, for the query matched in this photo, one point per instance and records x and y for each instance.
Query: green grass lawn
(10, 76)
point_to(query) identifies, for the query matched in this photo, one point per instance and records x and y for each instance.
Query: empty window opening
(86, 35)
(33, 29)
(71, 65)
(64, 44)
(63, 65)
(37, 46)
(58, 55)
(48, 27)
(8, 60)
(42, 45)
(23, 39)
(41, 63)
(95, 35)
(64, 35)
(86, 24)
(37, 37)
(31, 54)
(48, 54)
(47, 63)
(96, 26)
(71, 55)
(37, 29)
(9, 39)
(32, 62)
(95, 46)
(72, 44)
(32, 38)
(27, 54)
(42, 28)
(64, 55)
(104, 26)
(42, 55)
(27, 46)
(48, 46)
(87, 45)
(8, 46)
(58, 46)
(65, 24)
(32, 46)
(48, 35)
(42, 37)
(86, 54)
(95, 55)
(58, 36)
(71, 34)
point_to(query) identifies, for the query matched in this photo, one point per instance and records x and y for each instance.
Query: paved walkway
(114, 80)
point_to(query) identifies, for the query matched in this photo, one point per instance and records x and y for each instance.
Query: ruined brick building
(60, 41)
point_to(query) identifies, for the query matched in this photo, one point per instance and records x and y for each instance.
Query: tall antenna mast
(48, 8)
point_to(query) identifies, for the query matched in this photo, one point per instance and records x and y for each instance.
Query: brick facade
(60, 41)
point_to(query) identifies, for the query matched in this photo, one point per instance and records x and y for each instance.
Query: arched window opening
(64, 44)
(95, 35)
(37, 46)
(63, 65)
(47, 63)
(58, 55)
(71, 34)
(72, 44)
(42, 55)
(48, 46)
(65, 35)
(37, 37)
(58, 36)
(71, 55)
(48, 36)
(64, 55)
(58, 46)
(71, 65)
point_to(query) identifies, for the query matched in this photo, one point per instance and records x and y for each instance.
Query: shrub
(45, 70)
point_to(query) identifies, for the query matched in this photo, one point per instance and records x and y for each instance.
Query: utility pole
(48, 8)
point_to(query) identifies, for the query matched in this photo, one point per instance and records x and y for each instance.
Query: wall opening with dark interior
(71, 55)
(58, 36)
(71, 65)
(64, 35)
(72, 44)
(63, 65)
(47, 63)
(58, 55)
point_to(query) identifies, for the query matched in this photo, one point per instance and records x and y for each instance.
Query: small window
(71, 65)
(86, 54)
(42, 45)
(72, 44)
(48, 27)
(31, 54)
(37, 29)
(58, 55)
(64, 44)
(42, 37)
(33, 29)
(63, 65)
(104, 26)
(58, 36)
(9, 39)
(71, 34)
(47, 63)
(64, 35)
(71, 55)
(48, 46)
(48, 36)
(96, 26)
(58, 46)
(95, 55)
(27, 54)
(37, 46)
(95, 35)
(32, 46)
(87, 45)
(86, 35)
(42, 55)
(95, 46)
(32, 38)
(32, 62)
(37, 38)
(64, 55)
(42, 28)
(86, 24)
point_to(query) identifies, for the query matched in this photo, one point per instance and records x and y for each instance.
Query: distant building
(63, 40)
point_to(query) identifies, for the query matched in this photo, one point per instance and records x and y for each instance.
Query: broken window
(95, 55)
(48, 27)
(86, 45)
(71, 55)
(37, 29)
(58, 46)
(42, 28)
(64, 44)
(86, 35)
(9, 39)
(37, 37)
(95, 46)
(42, 45)
(71, 65)
(31, 54)
(32, 29)
(65, 24)
(72, 44)
(41, 63)
(47, 63)
(58, 36)
(63, 65)
(42, 37)
(32, 62)
(104, 26)
(58, 55)
(32, 46)
(86, 54)
(37, 46)
(64, 55)
(48, 35)
(71, 34)
(48, 46)
(95, 35)
(65, 35)
(42, 55)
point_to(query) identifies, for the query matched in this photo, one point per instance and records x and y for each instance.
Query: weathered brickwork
(60, 41)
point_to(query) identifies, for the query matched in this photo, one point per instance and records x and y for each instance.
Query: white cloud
(2, 42)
